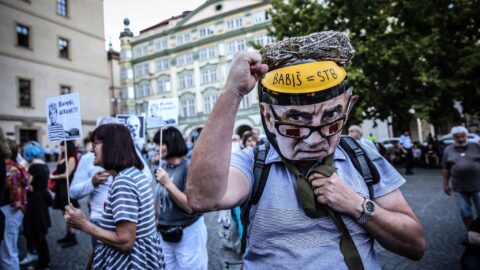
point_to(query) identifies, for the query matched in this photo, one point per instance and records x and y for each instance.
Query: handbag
(171, 234)
(52, 185)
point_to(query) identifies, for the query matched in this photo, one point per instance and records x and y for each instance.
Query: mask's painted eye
(293, 132)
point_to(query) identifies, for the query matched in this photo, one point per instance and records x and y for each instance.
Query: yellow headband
(304, 78)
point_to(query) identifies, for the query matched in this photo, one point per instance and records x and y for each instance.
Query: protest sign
(134, 123)
(64, 120)
(162, 113)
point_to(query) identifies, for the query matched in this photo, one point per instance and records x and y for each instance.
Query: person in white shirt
(355, 132)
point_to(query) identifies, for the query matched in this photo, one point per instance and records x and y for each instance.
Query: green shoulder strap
(314, 209)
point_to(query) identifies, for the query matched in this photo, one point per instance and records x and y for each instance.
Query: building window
(125, 54)
(23, 36)
(185, 80)
(206, 31)
(207, 53)
(62, 6)
(141, 70)
(183, 38)
(161, 45)
(124, 74)
(124, 93)
(64, 90)
(185, 59)
(143, 89)
(24, 93)
(141, 51)
(209, 100)
(245, 102)
(236, 46)
(163, 84)
(187, 106)
(235, 24)
(63, 48)
(263, 40)
(260, 16)
(209, 75)
(162, 64)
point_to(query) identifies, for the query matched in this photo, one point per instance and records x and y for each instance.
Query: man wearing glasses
(315, 211)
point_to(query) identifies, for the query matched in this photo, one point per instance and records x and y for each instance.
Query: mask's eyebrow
(338, 108)
(298, 113)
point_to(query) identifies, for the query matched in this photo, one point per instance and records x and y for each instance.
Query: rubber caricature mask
(304, 99)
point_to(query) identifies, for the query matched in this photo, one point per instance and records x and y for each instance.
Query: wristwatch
(368, 211)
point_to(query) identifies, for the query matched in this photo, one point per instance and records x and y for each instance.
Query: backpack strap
(361, 162)
(260, 175)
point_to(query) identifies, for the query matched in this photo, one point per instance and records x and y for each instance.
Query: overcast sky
(142, 14)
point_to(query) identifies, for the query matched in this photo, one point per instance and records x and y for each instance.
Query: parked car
(447, 139)
(393, 153)
(390, 143)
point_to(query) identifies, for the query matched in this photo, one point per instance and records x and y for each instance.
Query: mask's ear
(353, 100)
(267, 116)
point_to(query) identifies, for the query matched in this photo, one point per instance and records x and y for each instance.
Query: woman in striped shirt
(127, 234)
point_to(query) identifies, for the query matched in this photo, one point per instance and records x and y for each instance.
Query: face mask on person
(307, 132)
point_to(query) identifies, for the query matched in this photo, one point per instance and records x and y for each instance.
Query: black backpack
(356, 153)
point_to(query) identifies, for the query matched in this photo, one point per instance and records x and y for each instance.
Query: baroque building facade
(188, 56)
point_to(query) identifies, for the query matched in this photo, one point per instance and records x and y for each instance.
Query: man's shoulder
(449, 148)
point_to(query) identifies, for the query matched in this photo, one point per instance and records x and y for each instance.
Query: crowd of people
(306, 196)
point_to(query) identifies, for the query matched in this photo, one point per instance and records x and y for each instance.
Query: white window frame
(235, 23)
(209, 101)
(141, 70)
(161, 44)
(185, 80)
(187, 106)
(144, 89)
(260, 16)
(236, 46)
(183, 38)
(209, 74)
(163, 84)
(162, 64)
(206, 31)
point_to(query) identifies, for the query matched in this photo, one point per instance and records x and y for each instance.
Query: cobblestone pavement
(437, 212)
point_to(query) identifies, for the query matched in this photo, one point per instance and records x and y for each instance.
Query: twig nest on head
(320, 46)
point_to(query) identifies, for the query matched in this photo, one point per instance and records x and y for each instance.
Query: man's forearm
(397, 232)
(208, 171)
(446, 176)
(80, 189)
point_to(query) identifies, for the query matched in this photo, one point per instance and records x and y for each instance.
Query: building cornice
(234, 33)
(24, 10)
(179, 27)
(28, 59)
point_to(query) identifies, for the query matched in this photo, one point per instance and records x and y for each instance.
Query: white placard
(162, 112)
(134, 123)
(64, 121)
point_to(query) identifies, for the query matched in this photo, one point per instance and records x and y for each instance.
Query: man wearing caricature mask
(304, 103)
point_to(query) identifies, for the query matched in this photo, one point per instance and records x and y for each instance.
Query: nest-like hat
(320, 46)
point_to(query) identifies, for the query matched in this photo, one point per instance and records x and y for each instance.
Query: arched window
(209, 98)
(187, 105)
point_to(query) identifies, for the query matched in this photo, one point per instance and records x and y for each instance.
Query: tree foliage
(420, 55)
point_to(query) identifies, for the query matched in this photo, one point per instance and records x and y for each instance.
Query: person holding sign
(306, 204)
(61, 192)
(184, 235)
(127, 238)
